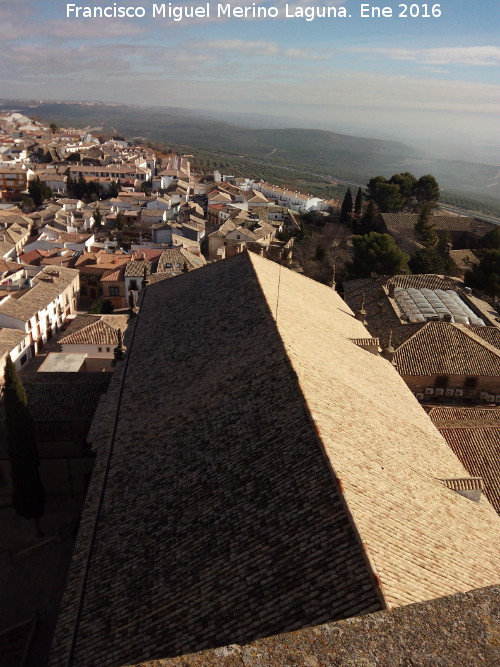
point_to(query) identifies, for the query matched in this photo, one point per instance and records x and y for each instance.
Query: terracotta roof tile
(447, 349)
(98, 333)
(247, 467)
(474, 436)
(41, 294)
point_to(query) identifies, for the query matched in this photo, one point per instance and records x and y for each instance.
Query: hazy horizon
(428, 81)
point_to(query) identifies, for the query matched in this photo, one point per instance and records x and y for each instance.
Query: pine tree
(346, 208)
(376, 253)
(28, 496)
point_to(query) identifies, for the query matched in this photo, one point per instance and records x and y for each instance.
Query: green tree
(376, 253)
(114, 188)
(406, 183)
(80, 187)
(428, 260)
(53, 128)
(28, 497)
(102, 306)
(485, 275)
(425, 229)
(320, 253)
(358, 204)
(491, 240)
(369, 221)
(38, 191)
(346, 208)
(120, 220)
(27, 204)
(97, 217)
(426, 190)
(386, 195)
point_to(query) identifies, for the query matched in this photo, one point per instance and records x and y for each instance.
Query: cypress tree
(424, 228)
(358, 203)
(346, 208)
(97, 217)
(369, 221)
(28, 496)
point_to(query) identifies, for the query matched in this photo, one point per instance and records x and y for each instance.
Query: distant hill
(331, 153)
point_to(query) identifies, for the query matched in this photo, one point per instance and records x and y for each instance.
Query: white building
(41, 310)
(289, 198)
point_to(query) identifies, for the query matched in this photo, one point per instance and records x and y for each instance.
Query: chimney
(389, 352)
(361, 313)
(119, 351)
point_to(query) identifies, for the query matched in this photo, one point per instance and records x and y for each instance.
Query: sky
(430, 81)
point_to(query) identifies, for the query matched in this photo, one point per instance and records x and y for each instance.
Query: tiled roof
(407, 221)
(225, 228)
(479, 450)
(9, 339)
(41, 294)
(62, 401)
(8, 266)
(490, 334)
(464, 259)
(447, 349)
(83, 321)
(381, 317)
(474, 436)
(135, 269)
(98, 333)
(446, 415)
(114, 275)
(451, 631)
(33, 256)
(248, 464)
(421, 281)
(178, 258)
(5, 248)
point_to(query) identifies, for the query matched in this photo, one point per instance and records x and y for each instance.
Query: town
(265, 410)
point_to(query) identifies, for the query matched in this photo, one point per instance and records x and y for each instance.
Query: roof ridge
(464, 328)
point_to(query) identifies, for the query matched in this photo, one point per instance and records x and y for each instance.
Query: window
(83, 291)
(470, 383)
(24, 359)
(442, 381)
(133, 284)
(114, 291)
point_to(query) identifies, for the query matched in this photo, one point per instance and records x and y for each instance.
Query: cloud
(88, 29)
(263, 49)
(469, 56)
